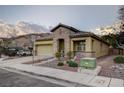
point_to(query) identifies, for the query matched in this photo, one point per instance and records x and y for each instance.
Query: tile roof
(66, 26)
(46, 37)
(72, 35)
(87, 34)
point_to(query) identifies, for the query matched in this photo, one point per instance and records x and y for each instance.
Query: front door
(61, 46)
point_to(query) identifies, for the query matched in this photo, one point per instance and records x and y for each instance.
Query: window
(79, 45)
(79, 48)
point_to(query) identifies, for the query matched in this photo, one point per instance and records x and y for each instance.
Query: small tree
(69, 54)
(1, 51)
(58, 55)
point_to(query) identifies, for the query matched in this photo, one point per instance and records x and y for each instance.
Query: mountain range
(23, 28)
(20, 28)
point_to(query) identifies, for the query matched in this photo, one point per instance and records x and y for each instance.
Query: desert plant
(60, 64)
(119, 59)
(69, 54)
(72, 64)
(1, 51)
(58, 55)
(69, 61)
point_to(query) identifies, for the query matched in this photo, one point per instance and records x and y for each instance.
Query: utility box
(88, 63)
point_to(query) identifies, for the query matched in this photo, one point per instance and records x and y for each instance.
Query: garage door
(45, 50)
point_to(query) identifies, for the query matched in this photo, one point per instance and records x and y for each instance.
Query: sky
(82, 17)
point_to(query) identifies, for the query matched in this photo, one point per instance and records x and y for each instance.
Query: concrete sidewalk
(68, 76)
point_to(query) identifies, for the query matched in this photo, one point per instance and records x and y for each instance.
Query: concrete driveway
(22, 59)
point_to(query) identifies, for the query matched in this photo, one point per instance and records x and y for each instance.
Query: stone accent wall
(62, 33)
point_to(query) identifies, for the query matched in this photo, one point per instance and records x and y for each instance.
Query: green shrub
(69, 54)
(60, 64)
(72, 64)
(69, 61)
(119, 59)
(58, 55)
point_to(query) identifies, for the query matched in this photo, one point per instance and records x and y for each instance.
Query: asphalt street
(10, 79)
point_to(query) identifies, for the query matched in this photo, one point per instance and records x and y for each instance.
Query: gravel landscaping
(38, 61)
(110, 68)
(54, 65)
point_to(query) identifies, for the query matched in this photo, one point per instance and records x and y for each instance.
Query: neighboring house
(25, 41)
(4, 42)
(65, 38)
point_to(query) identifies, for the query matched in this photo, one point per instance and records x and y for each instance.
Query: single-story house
(64, 38)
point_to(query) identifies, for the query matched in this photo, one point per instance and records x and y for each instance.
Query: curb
(46, 76)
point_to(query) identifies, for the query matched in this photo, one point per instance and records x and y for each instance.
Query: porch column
(55, 46)
(72, 45)
(67, 45)
(88, 44)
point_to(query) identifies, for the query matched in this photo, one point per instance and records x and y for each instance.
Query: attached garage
(44, 48)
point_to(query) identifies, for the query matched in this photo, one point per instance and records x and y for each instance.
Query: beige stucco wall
(87, 43)
(44, 42)
(92, 45)
(100, 48)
